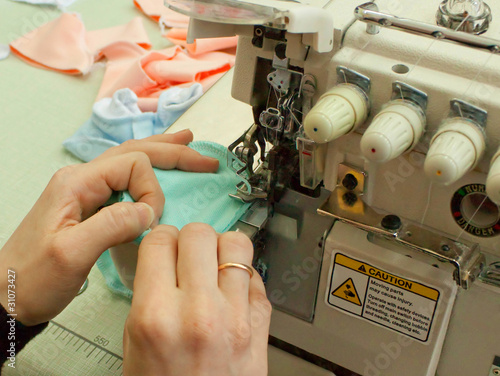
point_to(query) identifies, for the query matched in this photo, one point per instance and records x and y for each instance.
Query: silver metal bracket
(365, 13)
(344, 205)
(348, 76)
(404, 91)
(459, 108)
(253, 220)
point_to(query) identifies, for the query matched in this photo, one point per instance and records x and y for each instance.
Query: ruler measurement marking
(74, 344)
(80, 346)
(90, 353)
(111, 366)
(69, 340)
(102, 358)
(86, 340)
(67, 334)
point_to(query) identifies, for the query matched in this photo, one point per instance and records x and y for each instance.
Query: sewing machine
(372, 168)
(373, 172)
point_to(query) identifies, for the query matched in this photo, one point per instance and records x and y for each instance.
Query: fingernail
(147, 214)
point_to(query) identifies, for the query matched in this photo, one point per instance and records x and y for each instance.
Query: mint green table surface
(38, 110)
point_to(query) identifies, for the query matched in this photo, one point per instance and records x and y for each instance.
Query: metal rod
(362, 13)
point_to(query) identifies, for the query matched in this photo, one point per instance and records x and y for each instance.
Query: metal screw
(496, 371)
(350, 182)
(445, 248)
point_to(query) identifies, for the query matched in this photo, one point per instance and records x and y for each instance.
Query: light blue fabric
(190, 197)
(118, 119)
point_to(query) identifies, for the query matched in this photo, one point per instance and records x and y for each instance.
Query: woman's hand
(188, 318)
(63, 235)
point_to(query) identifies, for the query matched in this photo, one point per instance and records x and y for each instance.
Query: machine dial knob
(338, 111)
(471, 16)
(395, 129)
(455, 149)
(493, 179)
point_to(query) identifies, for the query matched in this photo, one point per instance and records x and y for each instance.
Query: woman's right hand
(188, 318)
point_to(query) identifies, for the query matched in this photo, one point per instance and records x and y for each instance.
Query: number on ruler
(85, 348)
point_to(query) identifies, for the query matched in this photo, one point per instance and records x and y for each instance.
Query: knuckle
(140, 156)
(130, 144)
(63, 174)
(201, 330)
(199, 228)
(240, 334)
(262, 304)
(145, 329)
(161, 235)
(237, 240)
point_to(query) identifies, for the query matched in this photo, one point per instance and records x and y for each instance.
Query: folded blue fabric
(118, 119)
(189, 197)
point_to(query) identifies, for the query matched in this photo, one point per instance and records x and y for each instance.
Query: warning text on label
(383, 298)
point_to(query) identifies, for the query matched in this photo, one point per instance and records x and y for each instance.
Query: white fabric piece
(4, 51)
(57, 3)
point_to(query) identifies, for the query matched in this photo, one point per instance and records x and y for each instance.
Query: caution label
(383, 298)
(348, 292)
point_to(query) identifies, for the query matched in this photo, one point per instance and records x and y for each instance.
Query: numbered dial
(455, 149)
(395, 129)
(338, 111)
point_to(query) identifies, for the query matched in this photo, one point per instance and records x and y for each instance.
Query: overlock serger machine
(373, 170)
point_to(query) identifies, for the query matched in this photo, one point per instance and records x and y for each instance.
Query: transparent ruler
(83, 340)
(93, 350)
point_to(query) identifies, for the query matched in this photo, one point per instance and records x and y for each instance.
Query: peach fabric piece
(156, 10)
(65, 46)
(200, 46)
(148, 73)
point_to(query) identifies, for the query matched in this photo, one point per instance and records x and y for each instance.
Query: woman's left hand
(58, 242)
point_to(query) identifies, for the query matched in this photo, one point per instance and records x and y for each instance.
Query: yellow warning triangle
(347, 291)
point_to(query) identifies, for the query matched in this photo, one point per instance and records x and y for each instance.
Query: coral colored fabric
(148, 73)
(200, 46)
(64, 45)
(157, 10)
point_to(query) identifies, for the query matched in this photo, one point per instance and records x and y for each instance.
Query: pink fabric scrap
(156, 10)
(65, 46)
(148, 73)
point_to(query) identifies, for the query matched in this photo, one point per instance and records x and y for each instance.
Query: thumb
(115, 224)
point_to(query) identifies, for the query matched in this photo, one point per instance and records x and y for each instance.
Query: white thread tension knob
(493, 179)
(338, 112)
(395, 130)
(455, 149)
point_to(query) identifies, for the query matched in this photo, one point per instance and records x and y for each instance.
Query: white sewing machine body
(416, 293)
